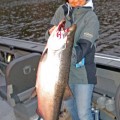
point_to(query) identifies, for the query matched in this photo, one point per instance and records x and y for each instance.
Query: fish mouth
(57, 44)
(58, 38)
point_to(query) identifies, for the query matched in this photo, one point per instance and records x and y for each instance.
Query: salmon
(53, 71)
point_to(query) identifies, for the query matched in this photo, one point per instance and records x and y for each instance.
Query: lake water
(27, 20)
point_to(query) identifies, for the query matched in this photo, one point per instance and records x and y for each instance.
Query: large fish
(53, 71)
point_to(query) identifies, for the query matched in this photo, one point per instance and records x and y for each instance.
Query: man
(82, 76)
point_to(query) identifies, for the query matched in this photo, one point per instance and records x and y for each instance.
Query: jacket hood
(89, 4)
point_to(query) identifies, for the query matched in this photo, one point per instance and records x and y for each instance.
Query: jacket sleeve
(87, 38)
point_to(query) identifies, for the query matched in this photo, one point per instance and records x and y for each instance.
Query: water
(109, 17)
(29, 19)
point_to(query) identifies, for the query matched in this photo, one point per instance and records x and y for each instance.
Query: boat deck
(6, 111)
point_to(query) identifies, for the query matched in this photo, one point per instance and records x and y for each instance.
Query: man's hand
(51, 29)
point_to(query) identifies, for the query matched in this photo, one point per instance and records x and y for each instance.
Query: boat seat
(21, 77)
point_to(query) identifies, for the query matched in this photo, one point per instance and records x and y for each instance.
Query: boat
(18, 65)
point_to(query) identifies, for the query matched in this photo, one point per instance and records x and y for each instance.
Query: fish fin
(45, 50)
(33, 95)
(44, 53)
(68, 93)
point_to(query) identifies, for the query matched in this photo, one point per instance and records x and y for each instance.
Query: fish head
(58, 40)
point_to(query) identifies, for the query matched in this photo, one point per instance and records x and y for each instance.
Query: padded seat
(21, 76)
(20, 81)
